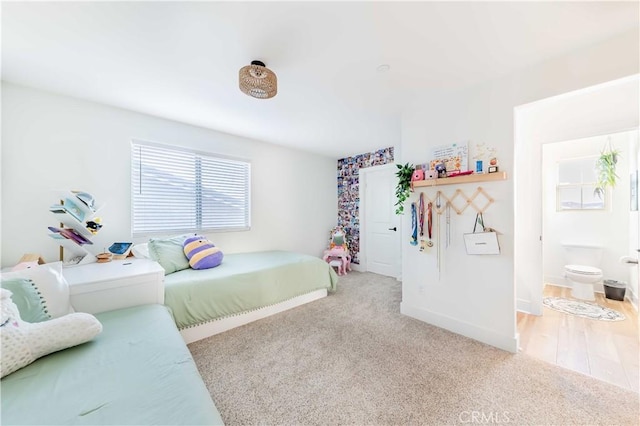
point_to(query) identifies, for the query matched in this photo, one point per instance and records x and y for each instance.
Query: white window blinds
(178, 190)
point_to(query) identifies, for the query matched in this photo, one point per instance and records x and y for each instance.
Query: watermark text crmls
(484, 418)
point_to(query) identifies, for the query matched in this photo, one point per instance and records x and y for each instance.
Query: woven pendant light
(258, 81)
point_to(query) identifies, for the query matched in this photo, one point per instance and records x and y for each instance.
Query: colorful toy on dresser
(337, 255)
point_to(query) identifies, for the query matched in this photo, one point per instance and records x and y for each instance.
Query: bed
(244, 288)
(138, 371)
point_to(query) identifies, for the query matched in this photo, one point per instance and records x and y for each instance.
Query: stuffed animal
(23, 342)
(202, 254)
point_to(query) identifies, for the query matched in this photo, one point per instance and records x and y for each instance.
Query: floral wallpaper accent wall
(349, 195)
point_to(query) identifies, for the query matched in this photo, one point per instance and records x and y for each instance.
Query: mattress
(244, 282)
(137, 371)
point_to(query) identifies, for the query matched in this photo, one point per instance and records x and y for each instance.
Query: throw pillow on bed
(51, 284)
(168, 252)
(202, 254)
(23, 342)
(27, 298)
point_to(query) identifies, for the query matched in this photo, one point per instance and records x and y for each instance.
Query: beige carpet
(352, 358)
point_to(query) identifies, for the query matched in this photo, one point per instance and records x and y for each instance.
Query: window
(180, 190)
(576, 185)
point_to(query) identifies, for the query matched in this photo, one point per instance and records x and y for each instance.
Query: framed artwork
(455, 157)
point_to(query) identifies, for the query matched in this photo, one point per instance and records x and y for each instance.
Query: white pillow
(23, 342)
(50, 282)
(141, 251)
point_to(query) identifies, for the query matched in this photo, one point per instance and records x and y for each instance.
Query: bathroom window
(576, 185)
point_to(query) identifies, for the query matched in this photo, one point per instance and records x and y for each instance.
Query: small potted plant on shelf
(403, 188)
(606, 170)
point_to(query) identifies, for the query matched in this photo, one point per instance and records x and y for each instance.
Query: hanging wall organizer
(479, 201)
(459, 201)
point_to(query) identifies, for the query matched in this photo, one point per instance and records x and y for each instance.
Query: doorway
(380, 228)
(574, 218)
(604, 350)
(573, 115)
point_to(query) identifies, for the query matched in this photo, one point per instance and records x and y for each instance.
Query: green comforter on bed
(138, 371)
(243, 282)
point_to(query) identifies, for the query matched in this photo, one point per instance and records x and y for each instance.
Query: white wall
(607, 228)
(476, 295)
(54, 142)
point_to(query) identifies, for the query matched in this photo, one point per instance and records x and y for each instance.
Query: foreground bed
(138, 371)
(244, 288)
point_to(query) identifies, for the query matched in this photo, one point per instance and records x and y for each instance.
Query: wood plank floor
(606, 350)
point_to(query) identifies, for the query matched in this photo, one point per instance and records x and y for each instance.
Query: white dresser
(100, 287)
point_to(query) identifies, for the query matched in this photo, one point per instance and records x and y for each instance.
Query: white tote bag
(485, 242)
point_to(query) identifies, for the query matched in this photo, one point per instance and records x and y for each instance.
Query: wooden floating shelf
(484, 177)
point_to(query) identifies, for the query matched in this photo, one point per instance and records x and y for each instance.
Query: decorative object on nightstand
(120, 250)
(27, 261)
(104, 257)
(78, 224)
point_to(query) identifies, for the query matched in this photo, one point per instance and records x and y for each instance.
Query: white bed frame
(198, 332)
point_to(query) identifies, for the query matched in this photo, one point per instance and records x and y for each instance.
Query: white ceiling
(181, 60)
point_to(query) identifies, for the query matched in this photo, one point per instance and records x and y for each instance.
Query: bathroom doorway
(582, 228)
(544, 333)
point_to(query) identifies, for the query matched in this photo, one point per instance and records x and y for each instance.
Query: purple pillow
(202, 254)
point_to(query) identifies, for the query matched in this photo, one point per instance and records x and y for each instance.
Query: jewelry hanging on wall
(429, 222)
(414, 226)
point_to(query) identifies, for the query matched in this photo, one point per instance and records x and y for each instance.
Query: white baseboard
(523, 306)
(507, 343)
(358, 267)
(211, 328)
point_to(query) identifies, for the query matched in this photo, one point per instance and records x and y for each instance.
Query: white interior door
(381, 225)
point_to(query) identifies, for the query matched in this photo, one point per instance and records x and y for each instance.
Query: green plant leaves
(606, 170)
(403, 188)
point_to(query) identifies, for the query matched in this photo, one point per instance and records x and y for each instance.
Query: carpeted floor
(352, 358)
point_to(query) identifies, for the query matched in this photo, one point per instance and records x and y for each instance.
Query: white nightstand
(99, 287)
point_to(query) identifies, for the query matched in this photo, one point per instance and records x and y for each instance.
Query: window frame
(582, 186)
(198, 154)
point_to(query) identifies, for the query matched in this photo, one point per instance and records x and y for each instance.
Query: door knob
(393, 229)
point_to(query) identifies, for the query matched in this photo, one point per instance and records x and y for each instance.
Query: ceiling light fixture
(258, 81)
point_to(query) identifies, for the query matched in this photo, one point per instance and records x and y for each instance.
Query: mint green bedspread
(137, 371)
(243, 282)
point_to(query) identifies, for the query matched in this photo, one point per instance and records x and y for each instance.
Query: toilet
(582, 269)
